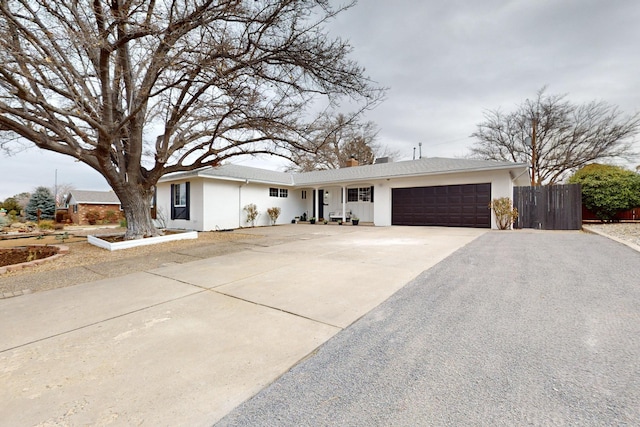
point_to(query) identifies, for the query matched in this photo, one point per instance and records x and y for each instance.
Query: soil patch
(25, 254)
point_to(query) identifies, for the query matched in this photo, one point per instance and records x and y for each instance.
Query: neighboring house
(91, 207)
(429, 191)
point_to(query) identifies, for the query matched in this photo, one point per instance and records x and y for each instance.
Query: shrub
(274, 213)
(111, 217)
(607, 190)
(504, 211)
(45, 224)
(252, 213)
(92, 217)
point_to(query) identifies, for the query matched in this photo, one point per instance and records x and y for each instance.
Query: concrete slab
(186, 362)
(184, 344)
(41, 315)
(211, 272)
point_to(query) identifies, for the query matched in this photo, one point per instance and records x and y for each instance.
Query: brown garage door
(446, 205)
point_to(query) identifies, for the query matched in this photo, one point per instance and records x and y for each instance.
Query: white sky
(445, 62)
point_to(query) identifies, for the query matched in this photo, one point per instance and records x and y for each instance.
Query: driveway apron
(516, 328)
(186, 343)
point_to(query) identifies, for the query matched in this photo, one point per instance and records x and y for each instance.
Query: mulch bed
(25, 254)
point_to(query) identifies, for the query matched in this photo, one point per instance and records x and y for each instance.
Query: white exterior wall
(258, 194)
(218, 204)
(501, 186)
(363, 210)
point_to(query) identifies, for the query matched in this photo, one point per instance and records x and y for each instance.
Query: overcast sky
(445, 62)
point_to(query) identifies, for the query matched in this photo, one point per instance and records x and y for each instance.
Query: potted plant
(355, 220)
(312, 220)
(339, 222)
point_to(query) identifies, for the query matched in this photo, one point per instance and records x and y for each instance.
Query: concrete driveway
(186, 343)
(516, 328)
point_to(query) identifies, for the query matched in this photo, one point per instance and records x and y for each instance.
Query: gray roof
(252, 174)
(420, 167)
(408, 168)
(94, 197)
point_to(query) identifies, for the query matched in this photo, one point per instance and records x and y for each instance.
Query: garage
(445, 205)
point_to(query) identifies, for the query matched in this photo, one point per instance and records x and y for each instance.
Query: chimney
(352, 162)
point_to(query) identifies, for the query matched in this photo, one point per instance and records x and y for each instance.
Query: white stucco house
(428, 191)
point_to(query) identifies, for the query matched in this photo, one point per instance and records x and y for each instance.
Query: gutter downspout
(246, 181)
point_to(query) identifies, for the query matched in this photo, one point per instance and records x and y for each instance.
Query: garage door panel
(451, 205)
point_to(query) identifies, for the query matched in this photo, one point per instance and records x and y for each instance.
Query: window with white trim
(284, 192)
(273, 192)
(362, 194)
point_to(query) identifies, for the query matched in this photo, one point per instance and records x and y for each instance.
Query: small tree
(504, 211)
(252, 213)
(274, 213)
(607, 190)
(43, 200)
(11, 204)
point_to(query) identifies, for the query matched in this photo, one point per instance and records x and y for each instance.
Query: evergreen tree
(41, 199)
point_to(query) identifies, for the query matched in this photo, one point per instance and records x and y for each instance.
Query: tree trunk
(136, 204)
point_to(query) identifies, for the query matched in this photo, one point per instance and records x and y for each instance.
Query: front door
(320, 204)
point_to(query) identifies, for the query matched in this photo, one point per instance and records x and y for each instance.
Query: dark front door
(320, 204)
(446, 205)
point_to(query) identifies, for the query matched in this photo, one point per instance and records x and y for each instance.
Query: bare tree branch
(136, 88)
(568, 136)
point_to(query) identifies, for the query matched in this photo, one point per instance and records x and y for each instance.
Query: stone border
(62, 251)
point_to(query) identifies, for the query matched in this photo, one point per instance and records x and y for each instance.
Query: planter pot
(355, 221)
(114, 246)
(312, 221)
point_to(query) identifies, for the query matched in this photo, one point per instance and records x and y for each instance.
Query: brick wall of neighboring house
(80, 216)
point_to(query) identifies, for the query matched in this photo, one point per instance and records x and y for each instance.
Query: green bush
(607, 190)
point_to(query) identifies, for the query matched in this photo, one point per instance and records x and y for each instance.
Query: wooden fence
(553, 207)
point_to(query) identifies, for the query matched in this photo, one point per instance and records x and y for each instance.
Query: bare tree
(335, 140)
(555, 136)
(137, 88)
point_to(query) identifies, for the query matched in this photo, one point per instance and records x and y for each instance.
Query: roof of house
(94, 197)
(425, 166)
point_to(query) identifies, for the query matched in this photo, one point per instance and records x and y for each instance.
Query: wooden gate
(552, 207)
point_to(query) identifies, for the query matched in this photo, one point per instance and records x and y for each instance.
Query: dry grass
(82, 253)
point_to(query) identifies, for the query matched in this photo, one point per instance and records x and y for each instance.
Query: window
(180, 195)
(278, 192)
(362, 194)
(304, 194)
(180, 201)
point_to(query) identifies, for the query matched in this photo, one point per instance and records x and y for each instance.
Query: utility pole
(534, 154)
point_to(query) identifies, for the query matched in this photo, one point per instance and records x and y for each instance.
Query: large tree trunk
(136, 204)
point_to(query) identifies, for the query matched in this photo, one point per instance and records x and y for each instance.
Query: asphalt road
(516, 328)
